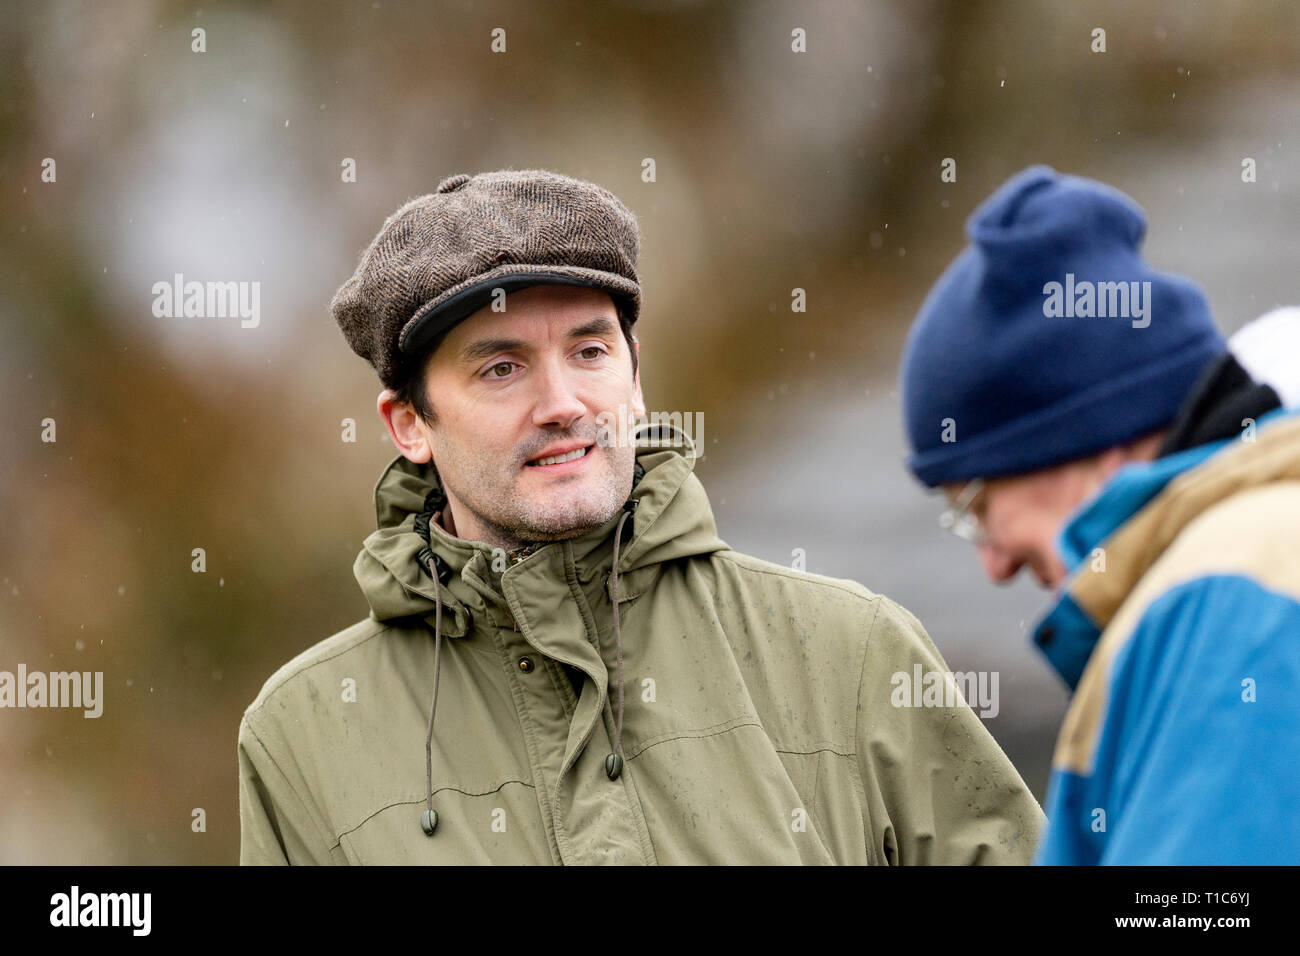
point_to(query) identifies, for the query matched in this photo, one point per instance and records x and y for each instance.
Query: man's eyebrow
(597, 326)
(485, 348)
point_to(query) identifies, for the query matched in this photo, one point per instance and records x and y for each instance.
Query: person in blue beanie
(1087, 421)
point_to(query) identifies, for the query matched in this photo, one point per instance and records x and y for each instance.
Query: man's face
(1022, 515)
(513, 391)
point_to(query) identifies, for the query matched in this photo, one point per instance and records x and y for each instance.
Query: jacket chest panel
(502, 827)
(518, 756)
(726, 797)
(374, 763)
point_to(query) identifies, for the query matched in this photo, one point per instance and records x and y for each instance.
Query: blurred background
(775, 170)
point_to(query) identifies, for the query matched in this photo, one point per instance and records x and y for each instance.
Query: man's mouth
(559, 457)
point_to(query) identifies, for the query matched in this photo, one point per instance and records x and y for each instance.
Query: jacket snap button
(526, 665)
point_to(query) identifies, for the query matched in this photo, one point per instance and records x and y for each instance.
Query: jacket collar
(672, 519)
(1137, 514)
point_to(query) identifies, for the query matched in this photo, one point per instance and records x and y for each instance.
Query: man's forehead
(490, 341)
(540, 303)
(533, 320)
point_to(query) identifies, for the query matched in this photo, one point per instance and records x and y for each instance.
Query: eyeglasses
(960, 519)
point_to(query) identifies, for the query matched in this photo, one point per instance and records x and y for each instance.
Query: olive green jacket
(758, 724)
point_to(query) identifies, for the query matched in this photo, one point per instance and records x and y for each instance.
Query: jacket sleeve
(939, 789)
(275, 827)
(1194, 762)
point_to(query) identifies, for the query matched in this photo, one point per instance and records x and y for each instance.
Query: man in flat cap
(563, 663)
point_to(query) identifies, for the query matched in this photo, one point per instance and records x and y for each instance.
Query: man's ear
(403, 427)
(638, 402)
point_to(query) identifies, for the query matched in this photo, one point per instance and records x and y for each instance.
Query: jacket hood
(673, 519)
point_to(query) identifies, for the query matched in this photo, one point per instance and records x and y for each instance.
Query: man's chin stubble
(513, 530)
(508, 527)
(520, 534)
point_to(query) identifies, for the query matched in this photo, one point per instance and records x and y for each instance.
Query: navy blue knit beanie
(1048, 338)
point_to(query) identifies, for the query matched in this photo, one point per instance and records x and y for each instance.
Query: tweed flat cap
(438, 258)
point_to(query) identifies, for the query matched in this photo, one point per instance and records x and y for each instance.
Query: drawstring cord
(614, 762)
(429, 819)
(440, 572)
(437, 569)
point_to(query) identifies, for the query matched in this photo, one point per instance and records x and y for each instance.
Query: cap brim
(436, 317)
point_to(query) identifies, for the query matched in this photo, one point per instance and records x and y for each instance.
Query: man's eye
(594, 349)
(495, 370)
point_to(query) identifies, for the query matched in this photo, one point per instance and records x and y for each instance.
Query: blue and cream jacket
(1179, 631)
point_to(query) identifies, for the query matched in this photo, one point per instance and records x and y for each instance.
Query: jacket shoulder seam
(759, 566)
(305, 661)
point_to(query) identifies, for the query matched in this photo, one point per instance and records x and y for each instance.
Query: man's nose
(557, 404)
(999, 566)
